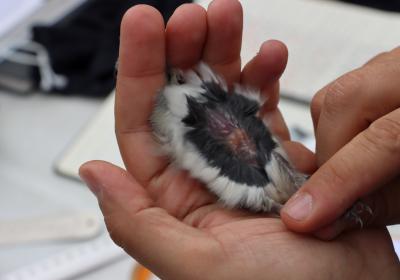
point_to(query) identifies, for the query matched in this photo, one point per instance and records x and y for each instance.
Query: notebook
(96, 141)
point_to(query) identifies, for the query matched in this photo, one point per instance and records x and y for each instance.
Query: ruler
(71, 227)
(71, 262)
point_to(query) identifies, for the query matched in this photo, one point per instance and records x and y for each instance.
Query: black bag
(83, 46)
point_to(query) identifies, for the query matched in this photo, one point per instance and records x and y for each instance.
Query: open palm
(167, 220)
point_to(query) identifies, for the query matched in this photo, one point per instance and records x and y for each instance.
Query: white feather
(283, 186)
(207, 75)
(192, 78)
(255, 197)
(233, 193)
(250, 93)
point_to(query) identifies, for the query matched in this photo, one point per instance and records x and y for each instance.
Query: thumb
(377, 210)
(147, 233)
(369, 161)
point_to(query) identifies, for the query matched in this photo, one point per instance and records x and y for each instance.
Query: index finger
(368, 162)
(141, 66)
(140, 75)
(224, 38)
(351, 103)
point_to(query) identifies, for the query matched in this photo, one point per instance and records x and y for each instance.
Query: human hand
(357, 124)
(167, 220)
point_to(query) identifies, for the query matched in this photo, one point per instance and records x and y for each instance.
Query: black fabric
(83, 46)
(388, 5)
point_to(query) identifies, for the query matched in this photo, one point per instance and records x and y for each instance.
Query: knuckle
(343, 92)
(384, 133)
(395, 51)
(316, 103)
(378, 58)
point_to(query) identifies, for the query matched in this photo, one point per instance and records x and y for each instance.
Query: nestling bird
(218, 136)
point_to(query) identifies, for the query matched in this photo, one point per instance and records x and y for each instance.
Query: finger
(316, 107)
(263, 73)
(359, 216)
(302, 158)
(275, 122)
(178, 192)
(352, 102)
(265, 69)
(376, 210)
(384, 57)
(224, 38)
(109, 183)
(319, 98)
(378, 58)
(386, 204)
(141, 66)
(366, 163)
(140, 75)
(186, 34)
(138, 227)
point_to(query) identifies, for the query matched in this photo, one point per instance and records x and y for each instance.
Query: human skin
(357, 126)
(166, 220)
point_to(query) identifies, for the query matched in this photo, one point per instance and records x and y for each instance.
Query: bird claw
(360, 214)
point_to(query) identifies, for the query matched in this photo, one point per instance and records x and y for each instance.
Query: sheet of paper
(325, 38)
(96, 142)
(12, 12)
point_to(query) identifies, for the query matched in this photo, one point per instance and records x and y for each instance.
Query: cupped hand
(167, 220)
(357, 124)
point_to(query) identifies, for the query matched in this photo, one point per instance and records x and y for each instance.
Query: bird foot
(360, 214)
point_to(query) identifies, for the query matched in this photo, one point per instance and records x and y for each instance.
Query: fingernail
(299, 207)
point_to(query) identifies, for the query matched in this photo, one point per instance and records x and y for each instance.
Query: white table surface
(34, 131)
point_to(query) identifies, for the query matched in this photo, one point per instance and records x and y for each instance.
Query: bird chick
(218, 135)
